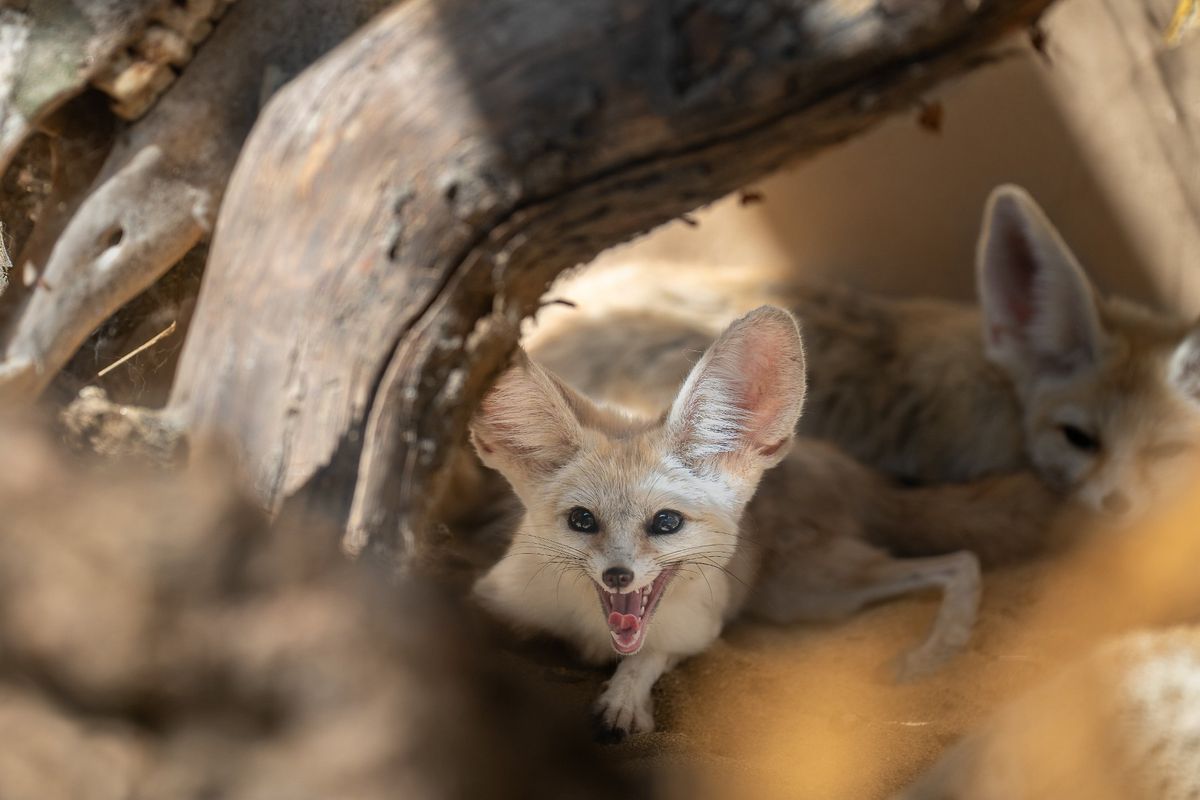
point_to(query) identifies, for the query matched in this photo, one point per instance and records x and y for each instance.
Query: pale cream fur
(807, 547)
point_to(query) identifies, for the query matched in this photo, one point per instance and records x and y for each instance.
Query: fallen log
(400, 207)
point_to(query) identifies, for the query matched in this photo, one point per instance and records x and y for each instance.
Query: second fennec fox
(640, 538)
(1096, 394)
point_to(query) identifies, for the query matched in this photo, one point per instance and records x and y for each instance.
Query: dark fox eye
(582, 520)
(666, 521)
(1079, 438)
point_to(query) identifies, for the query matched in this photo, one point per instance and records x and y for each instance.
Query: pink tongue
(623, 623)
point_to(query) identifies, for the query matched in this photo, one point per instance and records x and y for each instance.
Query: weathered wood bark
(400, 207)
(50, 50)
(158, 192)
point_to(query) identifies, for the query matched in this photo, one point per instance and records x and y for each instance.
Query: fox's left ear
(1039, 307)
(1183, 370)
(743, 398)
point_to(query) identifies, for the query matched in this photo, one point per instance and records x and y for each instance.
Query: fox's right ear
(526, 426)
(1039, 308)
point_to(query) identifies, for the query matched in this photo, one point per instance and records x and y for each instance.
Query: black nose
(1115, 503)
(618, 577)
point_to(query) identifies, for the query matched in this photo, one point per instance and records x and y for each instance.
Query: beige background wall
(898, 210)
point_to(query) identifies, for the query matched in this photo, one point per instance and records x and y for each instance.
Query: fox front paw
(622, 710)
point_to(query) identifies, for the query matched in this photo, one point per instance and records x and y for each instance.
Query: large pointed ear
(527, 425)
(1039, 308)
(743, 398)
(1183, 370)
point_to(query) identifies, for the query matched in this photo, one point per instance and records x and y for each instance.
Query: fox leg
(626, 706)
(958, 576)
(850, 575)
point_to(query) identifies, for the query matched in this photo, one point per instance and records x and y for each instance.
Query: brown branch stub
(350, 356)
(750, 197)
(930, 114)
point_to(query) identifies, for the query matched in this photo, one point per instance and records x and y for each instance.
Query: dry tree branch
(403, 204)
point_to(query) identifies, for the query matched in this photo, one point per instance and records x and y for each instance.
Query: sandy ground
(808, 711)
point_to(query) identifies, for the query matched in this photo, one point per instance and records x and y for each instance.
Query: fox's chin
(629, 613)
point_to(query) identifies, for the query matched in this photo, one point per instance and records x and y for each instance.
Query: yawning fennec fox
(632, 523)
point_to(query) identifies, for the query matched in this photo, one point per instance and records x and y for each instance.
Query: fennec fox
(634, 544)
(1098, 396)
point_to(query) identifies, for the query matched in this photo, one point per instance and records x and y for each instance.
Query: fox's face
(635, 506)
(1110, 391)
(1118, 437)
(631, 518)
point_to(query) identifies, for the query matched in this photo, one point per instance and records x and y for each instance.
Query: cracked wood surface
(156, 194)
(402, 205)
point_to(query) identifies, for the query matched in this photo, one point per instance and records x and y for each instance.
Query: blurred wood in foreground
(157, 639)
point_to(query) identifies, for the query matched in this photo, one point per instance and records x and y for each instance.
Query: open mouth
(629, 614)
